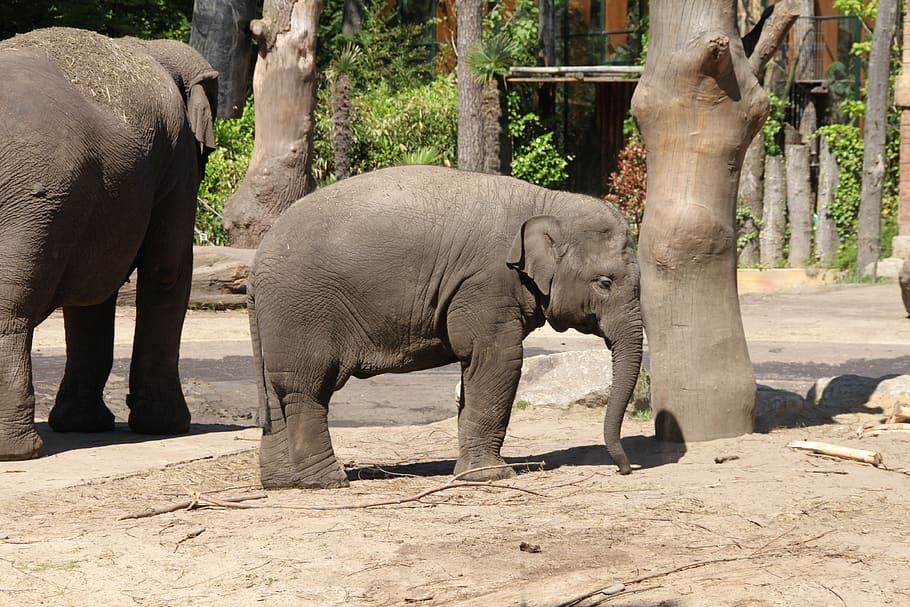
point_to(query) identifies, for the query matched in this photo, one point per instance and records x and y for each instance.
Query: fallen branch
(198, 501)
(877, 429)
(849, 453)
(201, 500)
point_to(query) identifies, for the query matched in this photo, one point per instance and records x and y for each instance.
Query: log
(774, 214)
(848, 453)
(877, 429)
(800, 203)
(826, 239)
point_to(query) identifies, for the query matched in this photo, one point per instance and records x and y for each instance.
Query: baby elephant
(411, 268)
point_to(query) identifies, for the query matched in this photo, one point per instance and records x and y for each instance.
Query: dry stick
(186, 504)
(849, 453)
(877, 429)
(453, 483)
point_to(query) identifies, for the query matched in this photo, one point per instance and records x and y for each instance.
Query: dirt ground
(767, 526)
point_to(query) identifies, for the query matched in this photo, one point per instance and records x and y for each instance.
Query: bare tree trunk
(491, 130)
(806, 41)
(697, 80)
(221, 33)
(284, 90)
(826, 239)
(469, 16)
(771, 239)
(342, 91)
(751, 195)
(800, 204)
(868, 246)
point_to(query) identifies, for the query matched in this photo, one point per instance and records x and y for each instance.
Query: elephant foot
(482, 469)
(158, 416)
(18, 445)
(73, 414)
(328, 475)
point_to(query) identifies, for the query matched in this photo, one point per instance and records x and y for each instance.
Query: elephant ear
(535, 250)
(200, 110)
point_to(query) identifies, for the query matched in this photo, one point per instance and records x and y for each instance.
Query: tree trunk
(491, 130)
(771, 239)
(342, 91)
(901, 242)
(800, 204)
(751, 195)
(870, 209)
(352, 17)
(806, 42)
(698, 104)
(284, 90)
(826, 240)
(470, 90)
(221, 33)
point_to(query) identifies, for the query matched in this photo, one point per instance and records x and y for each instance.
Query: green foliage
(393, 56)
(388, 127)
(517, 22)
(846, 144)
(140, 18)
(422, 155)
(493, 56)
(224, 171)
(535, 157)
(521, 405)
(773, 125)
(744, 214)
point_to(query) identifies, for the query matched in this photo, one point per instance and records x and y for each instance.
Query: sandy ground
(768, 526)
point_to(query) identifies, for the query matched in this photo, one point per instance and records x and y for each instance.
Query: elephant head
(196, 81)
(588, 279)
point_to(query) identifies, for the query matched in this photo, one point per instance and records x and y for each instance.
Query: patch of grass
(521, 405)
(65, 566)
(642, 415)
(855, 278)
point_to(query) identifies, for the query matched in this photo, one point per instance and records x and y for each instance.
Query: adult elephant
(102, 148)
(416, 267)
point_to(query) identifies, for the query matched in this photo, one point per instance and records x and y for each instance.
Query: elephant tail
(265, 415)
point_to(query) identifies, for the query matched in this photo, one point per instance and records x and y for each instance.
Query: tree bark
(800, 204)
(826, 239)
(491, 129)
(342, 91)
(751, 195)
(698, 104)
(870, 209)
(469, 16)
(284, 90)
(771, 239)
(901, 242)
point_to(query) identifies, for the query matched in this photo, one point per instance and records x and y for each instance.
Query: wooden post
(826, 239)
(901, 242)
(800, 204)
(751, 195)
(699, 104)
(771, 238)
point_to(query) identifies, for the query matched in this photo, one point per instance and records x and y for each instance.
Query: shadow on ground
(59, 442)
(643, 451)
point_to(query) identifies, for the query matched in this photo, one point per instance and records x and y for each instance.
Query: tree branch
(771, 33)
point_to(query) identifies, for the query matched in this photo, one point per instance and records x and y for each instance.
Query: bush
(628, 183)
(224, 171)
(535, 157)
(389, 128)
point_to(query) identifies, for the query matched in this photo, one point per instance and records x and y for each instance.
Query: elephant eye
(604, 282)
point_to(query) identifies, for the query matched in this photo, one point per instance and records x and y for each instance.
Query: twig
(197, 500)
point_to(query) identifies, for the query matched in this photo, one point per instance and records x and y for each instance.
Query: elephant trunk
(625, 346)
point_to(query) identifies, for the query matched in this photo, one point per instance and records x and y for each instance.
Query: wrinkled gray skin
(415, 267)
(102, 146)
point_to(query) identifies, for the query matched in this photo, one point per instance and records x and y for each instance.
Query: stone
(889, 267)
(854, 392)
(567, 378)
(774, 408)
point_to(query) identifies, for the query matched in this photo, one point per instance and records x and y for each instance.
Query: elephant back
(117, 78)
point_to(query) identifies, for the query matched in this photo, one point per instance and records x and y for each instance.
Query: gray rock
(567, 378)
(775, 408)
(855, 392)
(903, 280)
(886, 268)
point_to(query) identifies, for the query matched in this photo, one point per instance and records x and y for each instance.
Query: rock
(874, 394)
(903, 280)
(889, 267)
(567, 378)
(777, 407)
(219, 277)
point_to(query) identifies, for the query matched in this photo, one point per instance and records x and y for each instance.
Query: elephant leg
(490, 377)
(296, 448)
(18, 438)
(79, 406)
(156, 401)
